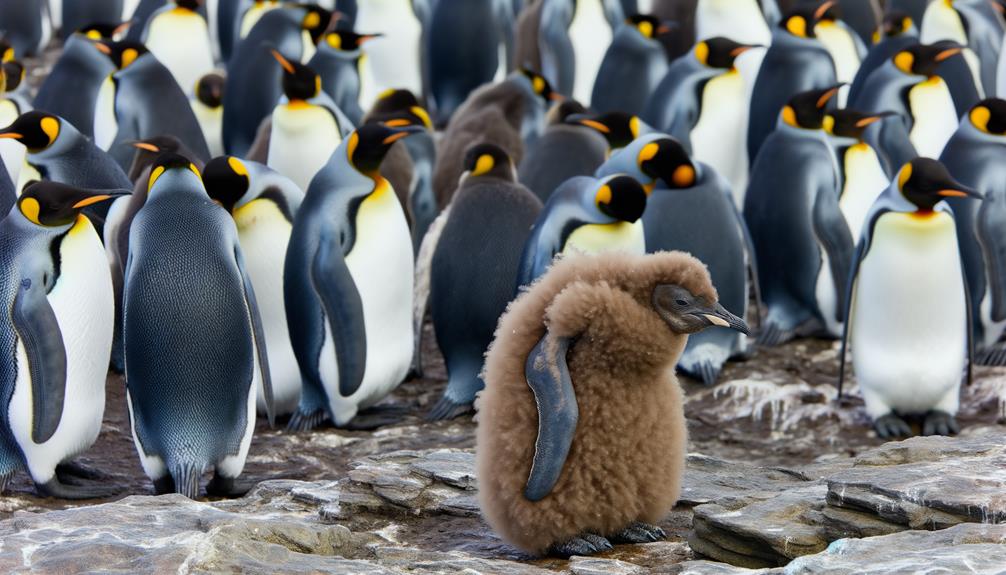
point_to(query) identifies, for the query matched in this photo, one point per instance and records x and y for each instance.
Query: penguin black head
(807, 109)
(226, 180)
(647, 25)
(895, 24)
(347, 40)
(800, 21)
(926, 182)
(397, 108)
(540, 85)
(618, 128)
(13, 74)
(35, 130)
(169, 161)
(924, 59)
(686, 312)
(368, 145)
(103, 30)
(621, 197)
(299, 81)
(191, 5)
(52, 204)
(850, 123)
(666, 159)
(558, 114)
(210, 90)
(720, 52)
(122, 53)
(149, 149)
(487, 160)
(6, 51)
(315, 21)
(989, 116)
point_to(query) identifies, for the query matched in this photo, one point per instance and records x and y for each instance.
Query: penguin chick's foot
(638, 532)
(448, 409)
(55, 488)
(376, 417)
(940, 423)
(890, 426)
(303, 421)
(586, 544)
(227, 487)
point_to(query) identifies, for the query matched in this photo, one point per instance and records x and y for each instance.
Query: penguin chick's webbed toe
(639, 532)
(890, 426)
(940, 423)
(586, 544)
(55, 488)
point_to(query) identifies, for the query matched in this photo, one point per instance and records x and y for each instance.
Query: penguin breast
(598, 238)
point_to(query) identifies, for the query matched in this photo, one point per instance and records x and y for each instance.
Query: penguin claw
(586, 544)
(301, 421)
(638, 532)
(940, 423)
(891, 426)
(772, 335)
(447, 409)
(57, 489)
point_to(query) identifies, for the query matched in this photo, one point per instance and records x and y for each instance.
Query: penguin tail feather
(306, 421)
(186, 477)
(447, 408)
(773, 335)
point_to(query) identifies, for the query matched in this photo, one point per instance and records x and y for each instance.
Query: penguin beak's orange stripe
(822, 9)
(395, 137)
(146, 146)
(103, 48)
(92, 200)
(596, 125)
(11, 136)
(952, 193)
(947, 53)
(823, 100)
(398, 123)
(283, 61)
(867, 121)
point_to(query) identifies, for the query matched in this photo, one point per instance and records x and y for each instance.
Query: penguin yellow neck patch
(158, 171)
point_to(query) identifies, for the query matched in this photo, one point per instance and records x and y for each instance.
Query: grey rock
(590, 566)
(709, 479)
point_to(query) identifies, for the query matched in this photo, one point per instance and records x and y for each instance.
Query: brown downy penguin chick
(562, 152)
(581, 430)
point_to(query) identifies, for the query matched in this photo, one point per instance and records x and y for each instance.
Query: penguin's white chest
(934, 117)
(393, 59)
(739, 20)
(264, 234)
(942, 22)
(839, 42)
(106, 127)
(908, 321)
(598, 238)
(864, 181)
(302, 140)
(590, 35)
(211, 122)
(83, 303)
(180, 40)
(11, 151)
(720, 136)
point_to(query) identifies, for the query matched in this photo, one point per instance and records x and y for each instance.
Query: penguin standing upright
(863, 172)
(195, 410)
(862, 16)
(187, 61)
(739, 20)
(847, 50)
(974, 25)
(207, 105)
(393, 58)
(909, 326)
(25, 25)
(896, 33)
(338, 62)
(58, 335)
(573, 37)
(263, 204)
(490, 219)
(972, 157)
(802, 243)
(348, 283)
(632, 67)
(11, 153)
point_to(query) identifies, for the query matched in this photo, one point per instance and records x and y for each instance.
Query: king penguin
(208, 106)
(974, 25)
(847, 50)
(187, 61)
(896, 33)
(11, 152)
(348, 283)
(632, 67)
(57, 332)
(864, 172)
(489, 221)
(739, 20)
(972, 158)
(908, 326)
(191, 411)
(393, 59)
(338, 61)
(802, 244)
(573, 38)
(263, 204)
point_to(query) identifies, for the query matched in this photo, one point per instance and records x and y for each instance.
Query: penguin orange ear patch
(904, 175)
(684, 176)
(30, 209)
(797, 26)
(980, 117)
(603, 195)
(789, 116)
(236, 165)
(483, 165)
(50, 126)
(904, 61)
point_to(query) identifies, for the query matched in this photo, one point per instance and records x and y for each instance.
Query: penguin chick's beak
(719, 316)
(402, 132)
(107, 195)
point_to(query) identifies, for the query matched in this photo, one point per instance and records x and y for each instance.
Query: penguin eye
(681, 302)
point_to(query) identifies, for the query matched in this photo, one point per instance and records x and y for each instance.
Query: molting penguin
(263, 204)
(589, 350)
(703, 102)
(187, 61)
(338, 62)
(632, 67)
(973, 157)
(585, 215)
(57, 332)
(973, 24)
(348, 283)
(207, 105)
(195, 410)
(489, 221)
(862, 170)
(739, 20)
(909, 326)
(25, 25)
(896, 33)
(802, 243)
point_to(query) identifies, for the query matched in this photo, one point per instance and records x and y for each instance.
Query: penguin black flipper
(991, 222)
(258, 332)
(548, 377)
(749, 249)
(344, 308)
(833, 233)
(545, 242)
(38, 330)
(558, 60)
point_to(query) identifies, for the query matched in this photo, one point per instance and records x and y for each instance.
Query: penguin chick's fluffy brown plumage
(628, 451)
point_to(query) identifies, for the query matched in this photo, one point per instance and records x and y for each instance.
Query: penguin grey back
(71, 88)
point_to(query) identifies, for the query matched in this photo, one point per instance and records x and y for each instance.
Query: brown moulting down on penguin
(591, 345)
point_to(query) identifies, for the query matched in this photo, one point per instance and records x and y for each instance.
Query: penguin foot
(448, 409)
(709, 373)
(301, 421)
(772, 335)
(227, 487)
(164, 485)
(639, 532)
(995, 356)
(586, 544)
(376, 417)
(940, 423)
(69, 469)
(57, 489)
(5, 480)
(890, 426)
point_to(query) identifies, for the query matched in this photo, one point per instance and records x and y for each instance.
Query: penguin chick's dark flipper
(447, 408)
(306, 421)
(638, 532)
(890, 426)
(548, 376)
(940, 423)
(586, 544)
(259, 333)
(344, 308)
(227, 487)
(54, 488)
(39, 332)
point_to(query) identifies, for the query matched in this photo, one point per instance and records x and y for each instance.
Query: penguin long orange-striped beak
(121, 28)
(822, 9)
(962, 193)
(827, 96)
(283, 61)
(11, 136)
(741, 49)
(98, 198)
(596, 125)
(103, 48)
(556, 97)
(949, 52)
(145, 146)
(395, 137)
(366, 37)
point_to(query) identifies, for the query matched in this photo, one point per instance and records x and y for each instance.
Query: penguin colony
(248, 207)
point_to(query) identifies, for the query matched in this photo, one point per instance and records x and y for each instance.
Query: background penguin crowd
(258, 219)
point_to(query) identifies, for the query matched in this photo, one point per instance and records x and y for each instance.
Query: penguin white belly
(942, 22)
(11, 151)
(864, 181)
(381, 263)
(720, 136)
(993, 329)
(211, 122)
(908, 323)
(307, 47)
(590, 35)
(153, 465)
(739, 20)
(106, 127)
(187, 60)
(826, 296)
(128, 7)
(264, 234)
(840, 44)
(83, 304)
(598, 238)
(393, 59)
(28, 173)
(934, 115)
(302, 140)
